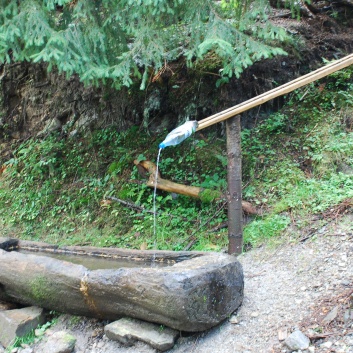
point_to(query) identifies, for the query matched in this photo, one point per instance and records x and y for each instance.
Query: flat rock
(19, 322)
(58, 342)
(297, 341)
(330, 316)
(127, 331)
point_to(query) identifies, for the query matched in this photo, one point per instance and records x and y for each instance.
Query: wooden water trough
(188, 291)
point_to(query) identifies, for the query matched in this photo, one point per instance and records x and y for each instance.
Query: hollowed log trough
(188, 291)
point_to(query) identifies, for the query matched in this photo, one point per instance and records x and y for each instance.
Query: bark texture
(234, 197)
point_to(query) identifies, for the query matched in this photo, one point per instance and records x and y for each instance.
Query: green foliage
(178, 217)
(19, 341)
(296, 163)
(207, 195)
(55, 190)
(53, 178)
(260, 229)
(316, 195)
(116, 41)
(31, 337)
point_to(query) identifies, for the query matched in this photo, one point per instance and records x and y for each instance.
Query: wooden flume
(234, 152)
(276, 92)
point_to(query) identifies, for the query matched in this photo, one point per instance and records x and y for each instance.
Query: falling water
(154, 200)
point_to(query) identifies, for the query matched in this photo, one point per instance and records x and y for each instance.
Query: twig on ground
(192, 239)
(256, 274)
(329, 334)
(138, 208)
(129, 204)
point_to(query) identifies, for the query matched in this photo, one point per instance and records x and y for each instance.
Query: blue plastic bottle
(179, 134)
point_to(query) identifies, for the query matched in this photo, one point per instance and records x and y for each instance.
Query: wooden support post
(235, 214)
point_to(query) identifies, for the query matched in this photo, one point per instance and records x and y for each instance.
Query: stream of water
(154, 201)
(155, 208)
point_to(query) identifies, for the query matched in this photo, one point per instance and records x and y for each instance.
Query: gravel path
(286, 288)
(283, 290)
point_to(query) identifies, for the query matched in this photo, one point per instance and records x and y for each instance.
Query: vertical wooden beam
(234, 196)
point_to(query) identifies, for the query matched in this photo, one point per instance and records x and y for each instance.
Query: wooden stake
(235, 214)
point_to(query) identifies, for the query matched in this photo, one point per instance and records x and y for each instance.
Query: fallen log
(148, 168)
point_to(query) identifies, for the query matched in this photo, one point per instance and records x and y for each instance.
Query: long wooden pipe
(276, 92)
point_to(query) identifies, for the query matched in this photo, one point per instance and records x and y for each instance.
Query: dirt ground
(289, 286)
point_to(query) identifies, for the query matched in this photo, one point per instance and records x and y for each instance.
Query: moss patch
(207, 195)
(42, 289)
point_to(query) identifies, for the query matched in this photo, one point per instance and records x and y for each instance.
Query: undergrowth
(297, 162)
(58, 190)
(33, 335)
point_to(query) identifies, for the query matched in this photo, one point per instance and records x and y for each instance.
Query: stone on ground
(26, 350)
(127, 331)
(58, 342)
(234, 319)
(282, 333)
(19, 322)
(348, 316)
(297, 341)
(330, 316)
(327, 345)
(7, 243)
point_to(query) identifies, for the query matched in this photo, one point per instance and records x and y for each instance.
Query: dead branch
(149, 169)
(137, 207)
(128, 204)
(192, 238)
(328, 334)
(218, 227)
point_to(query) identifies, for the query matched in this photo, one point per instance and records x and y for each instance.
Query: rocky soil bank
(34, 102)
